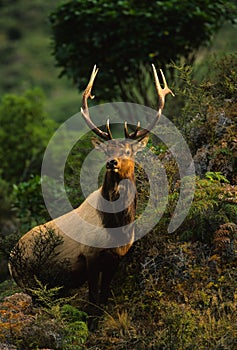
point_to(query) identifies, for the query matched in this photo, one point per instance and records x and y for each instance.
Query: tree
(24, 133)
(121, 35)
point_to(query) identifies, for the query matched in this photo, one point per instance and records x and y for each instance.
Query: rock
(19, 298)
(5, 346)
(201, 161)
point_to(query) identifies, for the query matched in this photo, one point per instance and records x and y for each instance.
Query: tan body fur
(87, 243)
(80, 257)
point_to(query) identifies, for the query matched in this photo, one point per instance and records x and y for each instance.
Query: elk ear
(99, 145)
(139, 145)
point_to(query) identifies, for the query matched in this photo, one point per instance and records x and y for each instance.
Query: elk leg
(110, 263)
(93, 281)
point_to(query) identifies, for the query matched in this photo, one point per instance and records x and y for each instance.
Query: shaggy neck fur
(113, 189)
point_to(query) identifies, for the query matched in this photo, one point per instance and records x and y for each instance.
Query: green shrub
(214, 204)
(75, 335)
(5, 199)
(72, 314)
(25, 131)
(28, 203)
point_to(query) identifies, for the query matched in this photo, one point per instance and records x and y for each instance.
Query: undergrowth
(50, 322)
(173, 291)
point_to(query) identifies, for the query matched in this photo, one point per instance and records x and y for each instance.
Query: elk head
(119, 183)
(121, 153)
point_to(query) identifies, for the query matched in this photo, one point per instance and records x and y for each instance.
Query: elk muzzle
(112, 164)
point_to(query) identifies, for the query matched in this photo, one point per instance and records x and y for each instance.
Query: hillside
(26, 60)
(172, 291)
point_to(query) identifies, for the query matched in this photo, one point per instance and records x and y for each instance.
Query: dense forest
(173, 290)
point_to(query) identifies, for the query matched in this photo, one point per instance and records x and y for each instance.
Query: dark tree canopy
(120, 35)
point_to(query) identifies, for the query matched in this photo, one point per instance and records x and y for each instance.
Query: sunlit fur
(88, 263)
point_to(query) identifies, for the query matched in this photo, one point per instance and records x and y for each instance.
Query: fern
(48, 298)
(216, 176)
(213, 206)
(231, 211)
(225, 239)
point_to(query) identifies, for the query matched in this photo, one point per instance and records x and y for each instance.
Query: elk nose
(111, 164)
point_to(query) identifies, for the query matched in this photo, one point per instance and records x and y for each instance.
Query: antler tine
(126, 133)
(87, 92)
(137, 129)
(162, 92)
(168, 91)
(157, 82)
(108, 130)
(85, 110)
(133, 134)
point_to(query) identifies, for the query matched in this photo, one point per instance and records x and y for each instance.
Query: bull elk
(93, 264)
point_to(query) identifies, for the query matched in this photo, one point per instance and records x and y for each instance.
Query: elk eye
(128, 152)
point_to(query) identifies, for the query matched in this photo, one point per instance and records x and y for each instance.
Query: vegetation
(57, 325)
(23, 118)
(172, 291)
(25, 56)
(165, 30)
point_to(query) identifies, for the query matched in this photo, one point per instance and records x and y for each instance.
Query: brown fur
(85, 263)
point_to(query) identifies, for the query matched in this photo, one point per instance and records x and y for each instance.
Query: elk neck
(114, 189)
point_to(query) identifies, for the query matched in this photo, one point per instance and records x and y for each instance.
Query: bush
(53, 325)
(28, 203)
(43, 246)
(25, 131)
(214, 204)
(4, 198)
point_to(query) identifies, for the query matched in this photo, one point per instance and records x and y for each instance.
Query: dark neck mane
(115, 189)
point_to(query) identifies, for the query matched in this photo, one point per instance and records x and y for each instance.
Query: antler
(85, 110)
(137, 134)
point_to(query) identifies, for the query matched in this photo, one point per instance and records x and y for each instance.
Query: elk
(96, 265)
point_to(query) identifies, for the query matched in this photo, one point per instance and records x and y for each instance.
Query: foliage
(73, 329)
(213, 176)
(164, 30)
(7, 242)
(72, 321)
(225, 240)
(188, 301)
(28, 203)
(7, 288)
(72, 314)
(223, 74)
(44, 254)
(22, 118)
(208, 119)
(72, 169)
(51, 326)
(183, 298)
(75, 335)
(48, 298)
(172, 291)
(181, 295)
(25, 56)
(203, 101)
(4, 197)
(214, 204)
